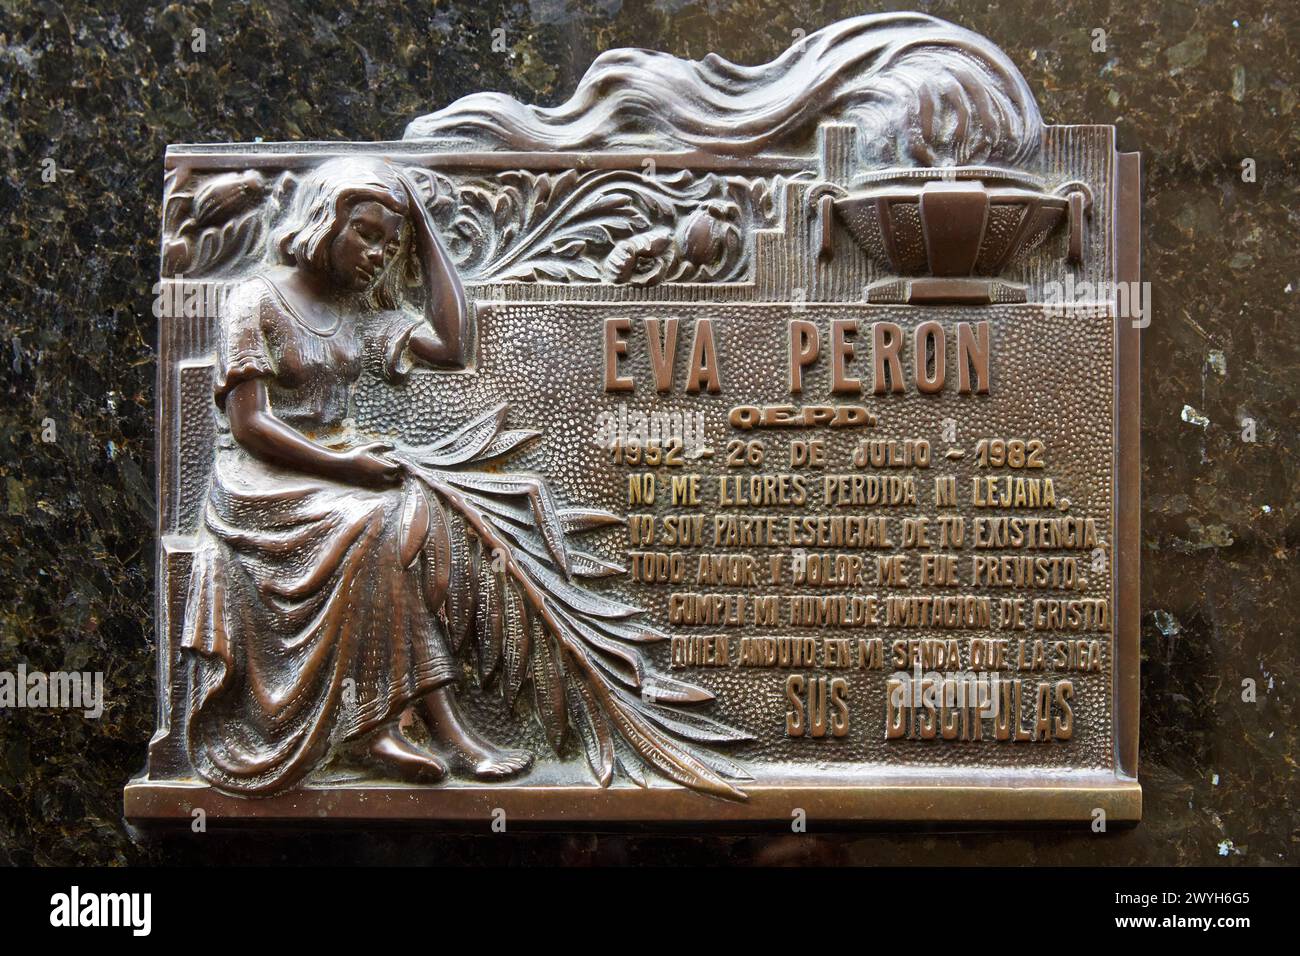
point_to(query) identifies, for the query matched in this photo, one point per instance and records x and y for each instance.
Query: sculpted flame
(921, 92)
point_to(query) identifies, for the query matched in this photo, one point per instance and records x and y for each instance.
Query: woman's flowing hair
(319, 208)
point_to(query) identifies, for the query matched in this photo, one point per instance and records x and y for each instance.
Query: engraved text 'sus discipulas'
(724, 440)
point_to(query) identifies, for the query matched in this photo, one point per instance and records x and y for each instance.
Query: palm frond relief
(517, 595)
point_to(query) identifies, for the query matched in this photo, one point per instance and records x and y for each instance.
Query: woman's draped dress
(312, 610)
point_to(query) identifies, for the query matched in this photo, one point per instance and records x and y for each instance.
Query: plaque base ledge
(171, 803)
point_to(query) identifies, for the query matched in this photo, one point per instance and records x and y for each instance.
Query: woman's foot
(388, 749)
(466, 751)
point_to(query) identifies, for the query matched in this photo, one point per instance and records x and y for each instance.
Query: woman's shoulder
(256, 300)
(248, 293)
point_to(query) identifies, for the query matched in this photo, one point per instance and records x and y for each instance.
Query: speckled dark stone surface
(102, 88)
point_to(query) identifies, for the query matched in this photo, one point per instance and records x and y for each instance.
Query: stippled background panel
(1051, 378)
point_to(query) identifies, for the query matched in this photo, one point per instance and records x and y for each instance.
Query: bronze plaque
(724, 444)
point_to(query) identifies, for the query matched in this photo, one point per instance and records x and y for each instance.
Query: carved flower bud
(225, 196)
(700, 236)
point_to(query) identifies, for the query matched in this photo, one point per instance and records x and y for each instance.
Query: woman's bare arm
(445, 338)
(262, 434)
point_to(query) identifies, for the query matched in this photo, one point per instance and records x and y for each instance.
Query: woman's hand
(366, 464)
(257, 429)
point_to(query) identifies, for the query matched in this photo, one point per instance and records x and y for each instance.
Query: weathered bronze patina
(727, 443)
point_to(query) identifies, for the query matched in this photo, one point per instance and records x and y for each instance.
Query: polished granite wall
(101, 88)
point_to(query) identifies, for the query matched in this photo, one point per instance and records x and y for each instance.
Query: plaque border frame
(903, 797)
